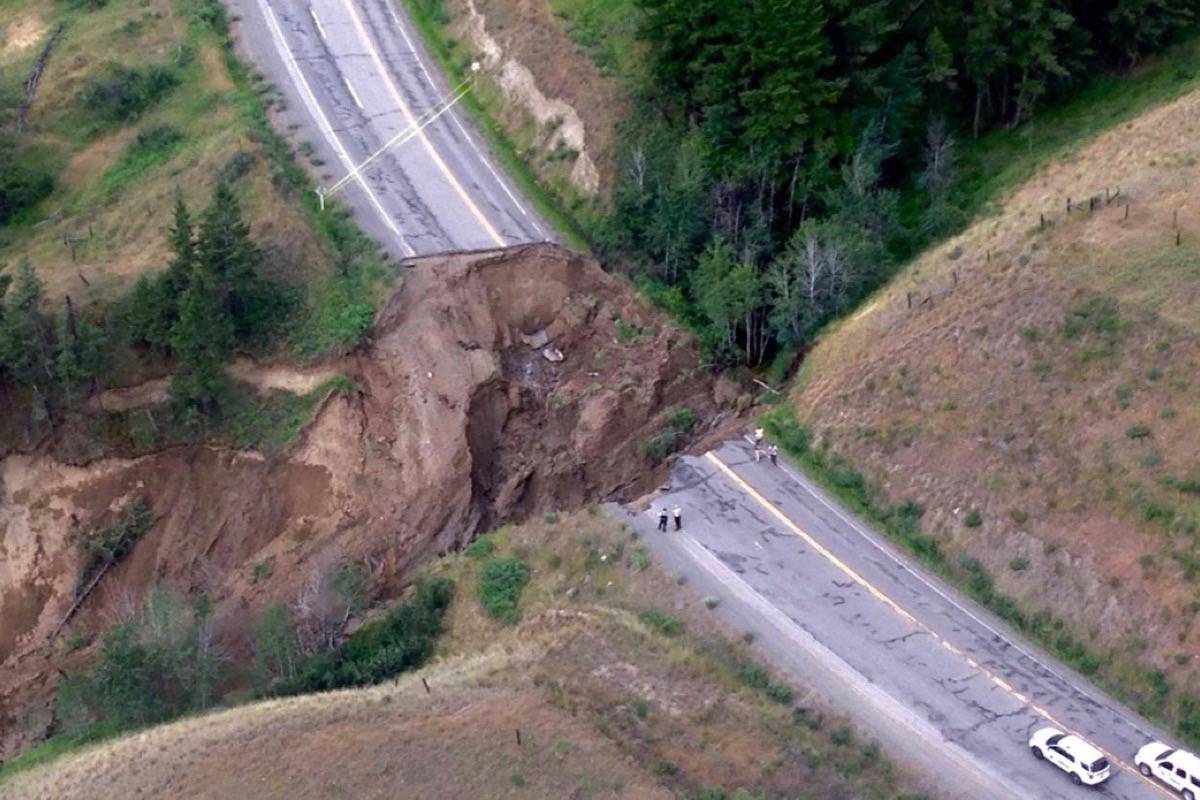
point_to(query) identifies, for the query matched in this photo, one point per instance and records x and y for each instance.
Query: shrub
(1137, 432)
(402, 640)
(661, 621)
(155, 667)
(842, 737)
(660, 446)
(500, 584)
(683, 419)
(22, 184)
(973, 519)
(121, 93)
(1098, 317)
(711, 602)
(480, 548)
(113, 542)
(1019, 564)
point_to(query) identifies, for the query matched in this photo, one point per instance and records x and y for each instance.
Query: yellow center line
(865, 584)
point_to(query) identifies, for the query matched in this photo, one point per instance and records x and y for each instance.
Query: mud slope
(459, 421)
(1034, 386)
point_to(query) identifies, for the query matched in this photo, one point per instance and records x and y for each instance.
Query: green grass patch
(154, 145)
(501, 582)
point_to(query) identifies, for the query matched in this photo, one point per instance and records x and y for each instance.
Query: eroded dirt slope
(460, 420)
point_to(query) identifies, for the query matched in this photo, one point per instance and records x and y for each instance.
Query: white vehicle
(1178, 769)
(1083, 762)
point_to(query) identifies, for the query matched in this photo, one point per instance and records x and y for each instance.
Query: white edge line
(320, 28)
(385, 74)
(902, 562)
(315, 110)
(454, 116)
(353, 94)
(859, 683)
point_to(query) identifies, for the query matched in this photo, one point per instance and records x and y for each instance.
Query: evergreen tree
(152, 306)
(25, 336)
(202, 339)
(228, 256)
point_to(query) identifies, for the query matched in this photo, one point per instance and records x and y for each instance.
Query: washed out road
(947, 687)
(356, 77)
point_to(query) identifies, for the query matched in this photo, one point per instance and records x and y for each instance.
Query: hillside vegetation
(602, 678)
(1031, 385)
(151, 222)
(779, 159)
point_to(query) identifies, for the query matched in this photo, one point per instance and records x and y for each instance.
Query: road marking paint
(1021, 697)
(430, 149)
(353, 94)
(318, 114)
(320, 28)
(815, 492)
(829, 556)
(487, 163)
(951, 647)
(857, 682)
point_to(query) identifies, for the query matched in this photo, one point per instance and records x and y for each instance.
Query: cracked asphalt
(946, 687)
(355, 76)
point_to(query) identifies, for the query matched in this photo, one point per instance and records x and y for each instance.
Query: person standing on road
(677, 512)
(662, 519)
(773, 452)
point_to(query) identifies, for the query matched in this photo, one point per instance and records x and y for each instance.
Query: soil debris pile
(495, 386)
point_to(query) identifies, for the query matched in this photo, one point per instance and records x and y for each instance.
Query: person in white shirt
(677, 512)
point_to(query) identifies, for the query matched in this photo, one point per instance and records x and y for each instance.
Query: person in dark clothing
(662, 519)
(678, 514)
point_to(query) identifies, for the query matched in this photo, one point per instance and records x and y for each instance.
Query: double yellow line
(892, 604)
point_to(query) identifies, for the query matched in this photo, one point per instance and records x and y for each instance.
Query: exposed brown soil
(555, 97)
(963, 386)
(606, 706)
(459, 422)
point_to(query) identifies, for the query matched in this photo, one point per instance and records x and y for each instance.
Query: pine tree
(202, 339)
(25, 340)
(152, 306)
(225, 251)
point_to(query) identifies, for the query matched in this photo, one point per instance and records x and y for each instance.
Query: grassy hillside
(117, 168)
(1031, 383)
(615, 679)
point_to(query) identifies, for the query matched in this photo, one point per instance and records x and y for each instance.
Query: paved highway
(947, 687)
(355, 77)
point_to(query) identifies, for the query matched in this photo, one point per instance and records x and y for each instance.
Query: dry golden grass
(607, 707)
(1071, 447)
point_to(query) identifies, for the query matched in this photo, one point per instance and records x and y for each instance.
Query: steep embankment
(495, 385)
(1032, 383)
(618, 682)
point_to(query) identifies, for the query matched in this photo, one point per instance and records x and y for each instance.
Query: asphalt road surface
(949, 689)
(355, 76)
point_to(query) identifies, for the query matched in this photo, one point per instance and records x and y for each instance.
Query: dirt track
(459, 422)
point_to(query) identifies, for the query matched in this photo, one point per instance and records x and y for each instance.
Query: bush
(660, 446)
(683, 419)
(480, 548)
(661, 621)
(155, 667)
(500, 585)
(1138, 432)
(22, 184)
(122, 93)
(973, 519)
(113, 542)
(402, 640)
